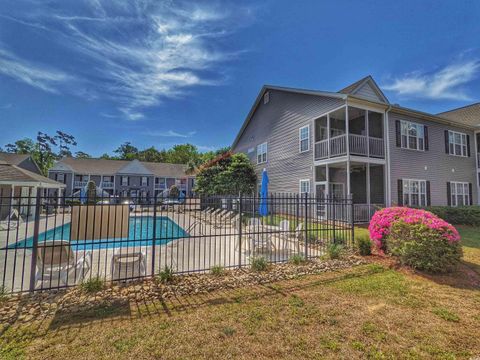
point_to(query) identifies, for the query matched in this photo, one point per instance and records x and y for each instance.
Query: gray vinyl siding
(433, 165)
(29, 164)
(367, 92)
(67, 180)
(278, 123)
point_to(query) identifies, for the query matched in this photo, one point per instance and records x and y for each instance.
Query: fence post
(334, 207)
(240, 231)
(36, 230)
(154, 234)
(352, 220)
(306, 226)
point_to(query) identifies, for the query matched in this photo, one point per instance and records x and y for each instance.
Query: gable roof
(13, 159)
(13, 174)
(111, 167)
(468, 115)
(363, 84)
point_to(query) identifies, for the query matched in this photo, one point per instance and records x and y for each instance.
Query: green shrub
(93, 284)
(3, 294)
(334, 251)
(423, 248)
(217, 270)
(297, 259)
(463, 215)
(364, 244)
(166, 275)
(259, 264)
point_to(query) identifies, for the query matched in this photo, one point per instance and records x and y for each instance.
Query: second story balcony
(359, 145)
(80, 183)
(350, 131)
(107, 185)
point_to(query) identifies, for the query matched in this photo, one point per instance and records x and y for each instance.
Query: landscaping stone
(29, 307)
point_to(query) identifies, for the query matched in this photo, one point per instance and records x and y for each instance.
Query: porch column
(328, 135)
(327, 177)
(347, 144)
(368, 186)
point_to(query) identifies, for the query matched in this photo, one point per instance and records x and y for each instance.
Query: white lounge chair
(12, 221)
(128, 265)
(57, 263)
(259, 238)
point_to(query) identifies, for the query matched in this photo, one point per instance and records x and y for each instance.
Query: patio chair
(284, 228)
(298, 236)
(258, 238)
(58, 263)
(12, 221)
(128, 265)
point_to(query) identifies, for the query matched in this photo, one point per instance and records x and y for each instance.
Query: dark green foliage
(464, 215)
(91, 192)
(422, 248)
(364, 244)
(230, 174)
(334, 251)
(174, 192)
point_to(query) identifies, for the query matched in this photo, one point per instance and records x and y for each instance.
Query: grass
(166, 275)
(92, 285)
(217, 270)
(370, 311)
(259, 264)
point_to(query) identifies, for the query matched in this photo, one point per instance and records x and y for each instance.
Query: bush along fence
(51, 242)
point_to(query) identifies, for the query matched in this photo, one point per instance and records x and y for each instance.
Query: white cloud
(32, 74)
(139, 53)
(171, 133)
(443, 84)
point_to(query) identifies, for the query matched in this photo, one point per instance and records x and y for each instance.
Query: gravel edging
(30, 307)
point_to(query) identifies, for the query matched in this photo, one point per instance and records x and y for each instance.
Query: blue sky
(165, 72)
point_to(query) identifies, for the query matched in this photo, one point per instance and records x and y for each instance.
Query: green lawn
(374, 311)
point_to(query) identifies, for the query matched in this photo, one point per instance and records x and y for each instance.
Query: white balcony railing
(80, 184)
(107, 185)
(359, 145)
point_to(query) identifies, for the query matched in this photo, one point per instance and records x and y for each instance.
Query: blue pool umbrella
(263, 209)
(83, 195)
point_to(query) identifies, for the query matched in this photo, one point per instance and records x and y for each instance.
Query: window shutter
(468, 146)
(447, 147)
(449, 194)
(425, 134)
(400, 192)
(470, 193)
(429, 197)
(56, 176)
(398, 132)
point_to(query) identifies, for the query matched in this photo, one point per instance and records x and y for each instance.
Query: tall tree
(64, 141)
(23, 146)
(126, 151)
(43, 153)
(82, 155)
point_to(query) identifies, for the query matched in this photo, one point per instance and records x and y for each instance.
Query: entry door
(24, 201)
(321, 195)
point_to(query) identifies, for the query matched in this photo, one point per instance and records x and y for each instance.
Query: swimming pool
(140, 233)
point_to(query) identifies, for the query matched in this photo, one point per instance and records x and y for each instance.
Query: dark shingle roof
(468, 115)
(106, 166)
(12, 174)
(13, 159)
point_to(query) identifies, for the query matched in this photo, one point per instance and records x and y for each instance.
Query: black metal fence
(50, 242)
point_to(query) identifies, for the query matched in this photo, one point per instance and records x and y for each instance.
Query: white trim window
(414, 192)
(304, 138)
(61, 177)
(124, 180)
(305, 186)
(413, 135)
(457, 143)
(460, 193)
(161, 183)
(144, 181)
(262, 153)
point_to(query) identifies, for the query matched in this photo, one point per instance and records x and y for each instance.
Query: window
(262, 153)
(124, 180)
(457, 143)
(413, 136)
(266, 97)
(460, 193)
(61, 177)
(161, 183)
(144, 181)
(305, 186)
(414, 192)
(304, 134)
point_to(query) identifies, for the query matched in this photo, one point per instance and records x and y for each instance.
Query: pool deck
(210, 243)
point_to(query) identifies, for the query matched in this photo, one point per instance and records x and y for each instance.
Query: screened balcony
(362, 137)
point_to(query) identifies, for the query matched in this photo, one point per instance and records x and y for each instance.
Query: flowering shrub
(419, 238)
(383, 220)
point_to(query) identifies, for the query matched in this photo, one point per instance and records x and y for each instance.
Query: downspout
(388, 181)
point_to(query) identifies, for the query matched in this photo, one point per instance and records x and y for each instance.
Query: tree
(91, 192)
(64, 142)
(43, 153)
(82, 155)
(182, 154)
(227, 174)
(152, 155)
(23, 146)
(126, 151)
(174, 192)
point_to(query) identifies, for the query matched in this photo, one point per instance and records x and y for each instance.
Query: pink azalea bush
(382, 221)
(417, 237)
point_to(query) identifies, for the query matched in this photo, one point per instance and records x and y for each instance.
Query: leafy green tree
(23, 146)
(43, 154)
(182, 154)
(82, 155)
(126, 151)
(228, 174)
(152, 155)
(91, 192)
(174, 192)
(64, 141)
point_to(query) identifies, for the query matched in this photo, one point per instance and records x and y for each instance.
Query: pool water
(140, 233)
